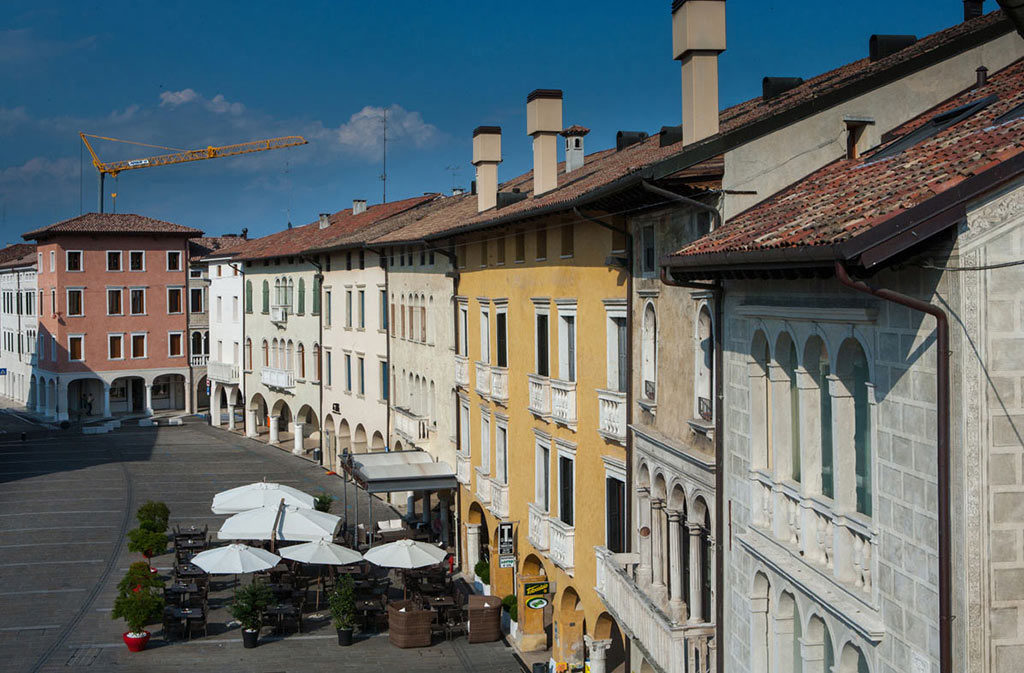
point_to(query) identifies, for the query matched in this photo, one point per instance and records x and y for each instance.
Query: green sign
(536, 588)
(537, 603)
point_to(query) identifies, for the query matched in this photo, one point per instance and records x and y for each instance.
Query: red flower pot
(135, 643)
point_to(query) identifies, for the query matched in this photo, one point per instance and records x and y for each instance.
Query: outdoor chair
(293, 617)
(484, 619)
(197, 623)
(409, 625)
(172, 625)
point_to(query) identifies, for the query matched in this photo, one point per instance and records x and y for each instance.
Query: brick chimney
(698, 37)
(486, 157)
(358, 206)
(544, 123)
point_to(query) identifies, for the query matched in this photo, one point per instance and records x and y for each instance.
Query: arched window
(290, 356)
(291, 293)
(316, 362)
(703, 378)
(197, 343)
(266, 353)
(817, 365)
(248, 353)
(248, 296)
(760, 403)
(787, 410)
(300, 357)
(302, 297)
(423, 320)
(266, 297)
(852, 366)
(649, 353)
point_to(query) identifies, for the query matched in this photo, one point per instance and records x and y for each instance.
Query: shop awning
(400, 471)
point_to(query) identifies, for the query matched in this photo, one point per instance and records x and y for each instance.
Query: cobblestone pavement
(66, 501)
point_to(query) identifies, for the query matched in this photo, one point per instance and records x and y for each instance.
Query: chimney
(486, 157)
(698, 37)
(325, 220)
(544, 123)
(574, 146)
(973, 9)
(358, 206)
(458, 191)
(982, 73)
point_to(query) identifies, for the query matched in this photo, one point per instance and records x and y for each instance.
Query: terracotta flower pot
(135, 643)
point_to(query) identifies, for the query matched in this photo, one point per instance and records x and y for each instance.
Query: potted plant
(137, 604)
(322, 502)
(155, 514)
(483, 572)
(247, 607)
(342, 602)
(138, 575)
(147, 542)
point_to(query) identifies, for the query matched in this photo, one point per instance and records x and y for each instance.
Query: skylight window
(1009, 116)
(934, 126)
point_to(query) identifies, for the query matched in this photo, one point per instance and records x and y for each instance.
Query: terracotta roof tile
(205, 246)
(111, 223)
(17, 254)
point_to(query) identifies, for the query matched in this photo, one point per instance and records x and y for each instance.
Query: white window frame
(145, 345)
(181, 342)
(348, 308)
(218, 301)
(501, 452)
(564, 449)
(120, 261)
(326, 308)
(141, 252)
(144, 301)
(39, 261)
(485, 330)
(462, 347)
(75, 336)
(81, 302)
(361, 305)
(181, 300)
(169, 253)
(361, 375)
(541, 307)
(542, 485)
(120, 292)
(81, 261)
(53, 261)
(613, 308)
(485, 440)
(465, 421)
(567, 308)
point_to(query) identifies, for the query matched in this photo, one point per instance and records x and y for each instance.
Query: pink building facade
(113, 317)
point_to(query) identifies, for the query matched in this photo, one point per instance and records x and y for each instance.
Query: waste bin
(540, 667)
(318, 455)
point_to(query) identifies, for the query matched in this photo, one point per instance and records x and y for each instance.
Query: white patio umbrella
(321, 552)
(259, 494)
(235, 559)
(294, 523)
(406, 554)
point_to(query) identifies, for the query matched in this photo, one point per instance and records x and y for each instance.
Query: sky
(191, 74)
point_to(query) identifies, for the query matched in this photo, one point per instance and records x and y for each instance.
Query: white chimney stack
(358, 206)
(325, 220)
(698, 37)
(574, 146)
(544, 123)
(486, 157)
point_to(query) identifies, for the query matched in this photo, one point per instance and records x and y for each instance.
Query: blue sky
(188, 74)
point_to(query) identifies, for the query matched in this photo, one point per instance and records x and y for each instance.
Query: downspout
(186, 302)
(449, 254)
(319, 275)
(942, 448)
(718, 291)
(383, 261)
(241, 369)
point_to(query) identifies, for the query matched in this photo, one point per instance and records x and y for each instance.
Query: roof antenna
(454, 169)
(384, 174)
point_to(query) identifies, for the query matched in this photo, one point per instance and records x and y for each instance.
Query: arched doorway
(128, 395)
(283, 413)
(85, 399)
(202, 396)
(259, 418)
(359, 440)
(168, 392)
(569, 628)
(306, 429)
(607, 629)
(377, 444)
(344, 437)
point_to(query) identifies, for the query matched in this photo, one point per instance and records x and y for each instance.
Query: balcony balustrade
(563, 401)
(563, 543)
(462, 468)
(483, 378)
(461, 371)
(413, 427)
(277, 378)
(199, 360)
(222, 371)
(538, 533)
(540, 395)
(483, 485)
(499, 384)
(279, 314)
(499, 499)
(611, 406)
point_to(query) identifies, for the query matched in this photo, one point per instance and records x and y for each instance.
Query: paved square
(66, 501)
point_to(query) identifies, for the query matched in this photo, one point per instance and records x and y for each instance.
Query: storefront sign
(506, 561)
(537, 588)
(537, 603)
(506, 542)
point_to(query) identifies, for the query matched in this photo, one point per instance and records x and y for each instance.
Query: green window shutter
(266, 297)
(316, 296)
(248, 296)
(302, 296)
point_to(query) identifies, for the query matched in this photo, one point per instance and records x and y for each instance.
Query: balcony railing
(499, 384)
(611, 406)
(277, 378)
(704, 408)
(483, 485)
(563, 401)
(222, 371)
(563, 543)
(540, 395)
(462, 468)
(538, 533)
(414, 428)
(199, 360)
(483, 379)
(675, 648)
(838, 545)
(499, 499)
(279, 314)
(461, 371)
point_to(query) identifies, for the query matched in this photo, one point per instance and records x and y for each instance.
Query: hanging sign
(537, 603)
(537, 588)
(506, 541)
(507, 561)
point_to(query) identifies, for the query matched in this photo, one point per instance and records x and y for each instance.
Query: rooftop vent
(624, 139)
(458, 191)
(973, 9)
(574, 146)
(880, 46)
(670, 135)
(325, 220)
(772, 87)
(358, 206)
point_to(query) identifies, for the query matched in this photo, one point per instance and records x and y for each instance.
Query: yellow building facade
(540, 322)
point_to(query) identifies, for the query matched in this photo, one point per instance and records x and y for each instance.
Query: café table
(183, 590)
(279, 611)
(191, 543)
(189, 570)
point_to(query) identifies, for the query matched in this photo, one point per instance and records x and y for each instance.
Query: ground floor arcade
(92, 395)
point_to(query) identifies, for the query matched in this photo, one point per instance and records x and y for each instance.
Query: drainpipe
(718, 291)
(450, 255)
(942, 448)
(240, 268)
(383, 261)
(319, 275)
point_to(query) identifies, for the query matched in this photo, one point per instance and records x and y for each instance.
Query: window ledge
(650, 406)
(704, 427)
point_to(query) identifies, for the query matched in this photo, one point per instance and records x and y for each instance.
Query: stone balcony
(415, 429)
(540, 395)
(463, 468)
(563, 402)
(277, 378)
(611, 408)
(563, 544)
(199, 360)
(461, 371)
(499, 384)
(499, 499)
(538, 528)
(279, 314)
(222, 371)
(483, 485)
(673, 647)
(483, 378)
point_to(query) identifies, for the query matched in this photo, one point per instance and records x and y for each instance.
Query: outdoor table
(280, 588)
(440, 601)
(191, 530)
(186, 613)
(191, 543)
(278, 612)
(190, 570)
(368, 608)
(183, 590)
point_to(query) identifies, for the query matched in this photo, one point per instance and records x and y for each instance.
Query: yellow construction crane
(180, 156)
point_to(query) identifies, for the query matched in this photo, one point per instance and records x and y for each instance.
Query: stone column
(696, 569)
(215, 410)
(274, 437)
(443, 509)
(250, 426)
(60, 404)
(426, 507)
(106, 399)
(231, 417)
(677, 607)
(472, 546)
(298, 449)
(845, 473)
(812, 655)
(657, 548)
(149, 400)
(410, 506)
(643, 509)
(597, 651)
(782, 628)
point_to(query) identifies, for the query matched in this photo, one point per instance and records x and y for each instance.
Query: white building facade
(19, 327)
(227, 305)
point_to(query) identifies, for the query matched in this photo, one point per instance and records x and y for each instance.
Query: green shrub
(138, 575)
(138, 606)
(512, 605)
(147, 542)
(249, 603)
(483, 571)
(154, 516)
(342, 602)
(322, 502)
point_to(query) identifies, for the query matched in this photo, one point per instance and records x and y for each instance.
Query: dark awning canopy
(400, 471)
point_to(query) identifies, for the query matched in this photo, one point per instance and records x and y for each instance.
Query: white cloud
(363, 133)
(40, 168)
(218, 104)
(176, 98)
